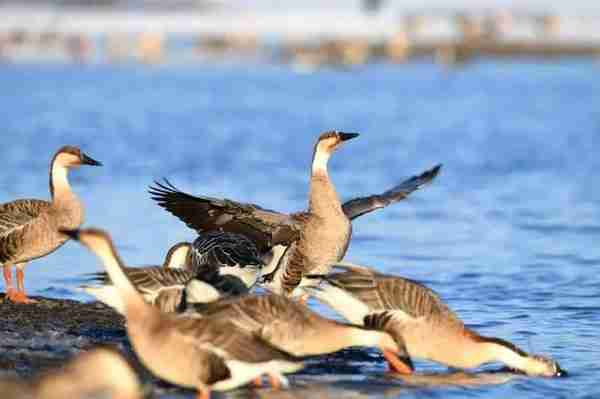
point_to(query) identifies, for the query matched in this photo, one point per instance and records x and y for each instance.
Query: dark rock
(36, 336)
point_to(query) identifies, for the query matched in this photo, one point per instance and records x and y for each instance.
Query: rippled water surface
(508, 234)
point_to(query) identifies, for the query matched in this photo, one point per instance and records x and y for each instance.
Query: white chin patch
(320, 161)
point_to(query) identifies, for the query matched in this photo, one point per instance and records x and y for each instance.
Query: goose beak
(347, 136)
(74, 234)
(86, 160)
(560, 372)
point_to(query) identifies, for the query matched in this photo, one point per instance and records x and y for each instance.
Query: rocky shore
(36, 336)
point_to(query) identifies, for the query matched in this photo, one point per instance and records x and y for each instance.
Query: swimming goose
(29, 227)
(296, 329)
(216, 265)
(208, 353)
(305, 242)
(100, 372)
(416, 317)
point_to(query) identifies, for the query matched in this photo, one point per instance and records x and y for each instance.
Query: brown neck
(344, 335)
(323, 199)
(60, 189)
(475, 350)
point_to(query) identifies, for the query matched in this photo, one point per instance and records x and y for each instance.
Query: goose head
(178, 256)
(71, 157)
(327, 143)
(538, 365)
(99, 242)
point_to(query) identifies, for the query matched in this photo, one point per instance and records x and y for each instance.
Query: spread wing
(359, 206)
(264, 227)
(17, 214)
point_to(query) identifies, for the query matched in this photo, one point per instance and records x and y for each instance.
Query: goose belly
(326, 245)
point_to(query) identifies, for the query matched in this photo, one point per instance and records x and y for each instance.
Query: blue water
(508, 234)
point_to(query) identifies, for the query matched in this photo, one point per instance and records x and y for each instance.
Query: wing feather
(17, 214)
(264, 227)
(359, 206)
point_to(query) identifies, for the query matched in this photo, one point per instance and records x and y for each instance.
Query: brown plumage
(29, 227)
(99, 372)
(292, 327)
(209, 353)
(216, 265)
(416, 316)
(319, 236)
(310, 241)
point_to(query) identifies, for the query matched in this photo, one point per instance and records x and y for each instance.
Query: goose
(162, 286)
(29, 227)
(295, 244)
(218, 264)
(206, 354)
(416, 317)
(99, 372)
(294, 328)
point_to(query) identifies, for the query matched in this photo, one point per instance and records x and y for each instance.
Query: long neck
(348, 335)
(114, 267)
(323, 198)
(482, 350)
(60, 190)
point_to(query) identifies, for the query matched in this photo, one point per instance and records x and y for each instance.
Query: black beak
(560, 372)
(85, 160)
(74, 234)
(347, 136)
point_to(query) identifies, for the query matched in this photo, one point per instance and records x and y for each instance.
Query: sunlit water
(507, 234)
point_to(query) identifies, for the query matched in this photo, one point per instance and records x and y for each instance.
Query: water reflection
(386, 386)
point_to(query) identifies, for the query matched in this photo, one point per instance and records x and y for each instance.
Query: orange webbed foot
(396, 364)
(19, 297)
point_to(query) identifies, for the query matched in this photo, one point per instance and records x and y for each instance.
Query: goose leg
(396, 364)
(303, 299)
(20, 296)
(277, 381)
(257, 382)
(203, 392)
(10, 290)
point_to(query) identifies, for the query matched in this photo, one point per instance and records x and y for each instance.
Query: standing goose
(416, 316)
(208, 353)
(100, 372)
(29, 227)
(296, 244)
(216, 265)
(296, 329)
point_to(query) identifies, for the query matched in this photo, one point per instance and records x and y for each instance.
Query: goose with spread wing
(295, 244)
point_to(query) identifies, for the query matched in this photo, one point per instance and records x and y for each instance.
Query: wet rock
(36, 336)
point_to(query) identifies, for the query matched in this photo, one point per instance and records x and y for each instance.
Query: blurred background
(227, 98)
(305, 34)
